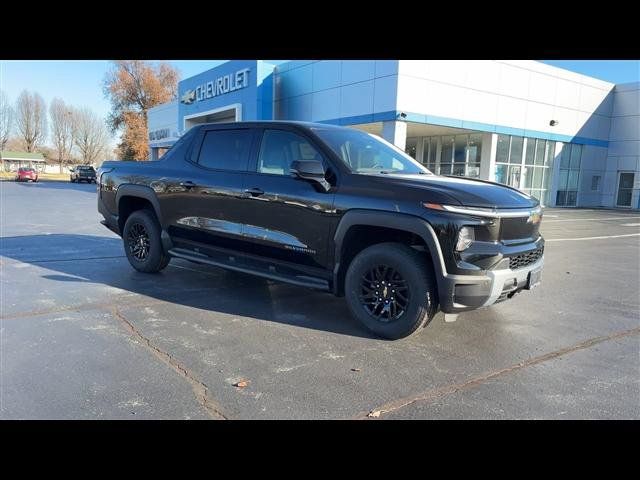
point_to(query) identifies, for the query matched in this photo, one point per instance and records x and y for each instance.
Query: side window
(279, 148)
(226, 149)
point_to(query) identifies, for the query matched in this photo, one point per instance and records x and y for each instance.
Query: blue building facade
(532, 126)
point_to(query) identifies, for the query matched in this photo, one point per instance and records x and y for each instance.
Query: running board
(253, 267)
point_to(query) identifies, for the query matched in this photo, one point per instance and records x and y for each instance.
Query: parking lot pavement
(85, 336)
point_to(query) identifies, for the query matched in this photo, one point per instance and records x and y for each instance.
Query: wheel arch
(400, 222)
(130, 198)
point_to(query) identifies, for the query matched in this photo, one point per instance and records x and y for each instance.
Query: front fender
(398, 221)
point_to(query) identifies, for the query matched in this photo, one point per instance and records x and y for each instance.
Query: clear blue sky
(614, 71)
(79, 82)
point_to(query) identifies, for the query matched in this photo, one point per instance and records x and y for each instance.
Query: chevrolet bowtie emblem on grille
(189, 97)
(534, 218)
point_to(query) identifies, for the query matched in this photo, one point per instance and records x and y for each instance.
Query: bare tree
(6, 119)
(31, 119)
(61, 130)
(90, 135)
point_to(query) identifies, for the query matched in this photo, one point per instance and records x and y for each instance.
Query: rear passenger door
(209, 205)
(287, 218)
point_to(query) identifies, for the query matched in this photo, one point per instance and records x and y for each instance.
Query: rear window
(27, 170)
(87, 169)
(226, 150)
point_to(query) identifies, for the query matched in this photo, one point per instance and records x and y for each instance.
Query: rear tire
(390, 288)
(142, 242)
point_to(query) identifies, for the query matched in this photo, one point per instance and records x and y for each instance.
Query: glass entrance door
(625, 189)
(514, 176)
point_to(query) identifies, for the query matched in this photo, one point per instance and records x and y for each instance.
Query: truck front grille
(525, 259)
(518, 228)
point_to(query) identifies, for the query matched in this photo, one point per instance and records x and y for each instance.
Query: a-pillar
(395, 132)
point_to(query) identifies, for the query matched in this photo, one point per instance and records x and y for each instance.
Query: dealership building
(562, 137)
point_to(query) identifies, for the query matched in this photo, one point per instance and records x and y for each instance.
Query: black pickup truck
(83, 173)
(330, 208)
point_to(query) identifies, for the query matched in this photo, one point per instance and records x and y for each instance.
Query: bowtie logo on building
(189, 97)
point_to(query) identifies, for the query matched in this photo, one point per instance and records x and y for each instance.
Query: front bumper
(466, 292)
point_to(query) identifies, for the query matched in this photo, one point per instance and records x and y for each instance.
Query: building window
(430, 147)
(570, 159)
(509, 160)
(515, 151)
(502, 150)
(538, 160)
(446, 155)
(411, 147)
(459, 155)
(595, 182)
(525, 163)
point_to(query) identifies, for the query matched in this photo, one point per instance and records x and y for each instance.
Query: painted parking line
(631, 224)
(591, 238)
(590, 219)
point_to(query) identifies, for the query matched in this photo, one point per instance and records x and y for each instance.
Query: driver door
(287, 218)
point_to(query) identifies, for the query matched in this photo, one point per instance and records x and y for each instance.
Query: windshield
(363, 152)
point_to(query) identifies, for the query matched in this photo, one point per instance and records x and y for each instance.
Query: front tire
(390, 288)
(142, 242)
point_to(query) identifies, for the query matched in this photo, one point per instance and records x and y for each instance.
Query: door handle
(254, 192)
(188, 184)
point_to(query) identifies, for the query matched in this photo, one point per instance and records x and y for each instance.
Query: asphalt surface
(83, 335)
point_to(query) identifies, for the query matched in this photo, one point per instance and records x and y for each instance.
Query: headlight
(466, 237)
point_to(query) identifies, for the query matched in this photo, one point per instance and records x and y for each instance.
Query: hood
(466, 191)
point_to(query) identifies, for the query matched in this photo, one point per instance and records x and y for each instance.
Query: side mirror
(311, 170)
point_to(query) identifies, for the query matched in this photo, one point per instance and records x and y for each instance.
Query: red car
(26, 174)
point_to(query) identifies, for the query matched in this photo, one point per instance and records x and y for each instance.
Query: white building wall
(624, 142)
(522, 96)
(164, 116)
(593, 163)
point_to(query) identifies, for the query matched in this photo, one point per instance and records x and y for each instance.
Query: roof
(11, 155)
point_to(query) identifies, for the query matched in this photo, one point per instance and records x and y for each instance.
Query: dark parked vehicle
(26, 174)
(83, 173)
(330, 208)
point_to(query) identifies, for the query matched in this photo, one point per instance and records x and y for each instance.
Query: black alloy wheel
(390, 288)
(384, 293)
(138, 242)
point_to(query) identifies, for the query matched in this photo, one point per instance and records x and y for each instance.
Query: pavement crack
(200, 390)
(440, 392)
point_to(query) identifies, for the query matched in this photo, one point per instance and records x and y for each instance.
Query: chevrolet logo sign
(189, 97)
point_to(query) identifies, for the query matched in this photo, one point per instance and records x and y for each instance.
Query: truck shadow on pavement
(100, 260)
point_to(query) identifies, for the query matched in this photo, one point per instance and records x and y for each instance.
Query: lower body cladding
(465, 292)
